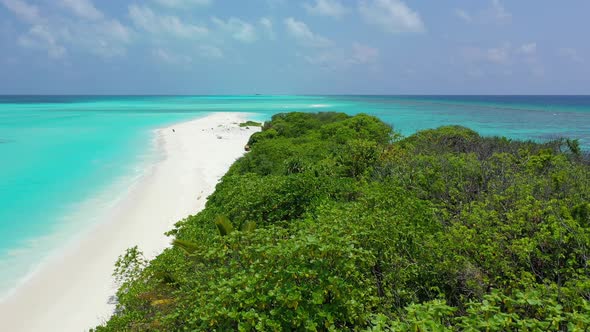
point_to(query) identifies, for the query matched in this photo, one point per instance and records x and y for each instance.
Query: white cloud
(572, 54)
(266, 23)
(267, 26)
(325, 59)
(499, 12)
(88, 31)
(331, 8)
(362, 54)
(179, 4)
(109, 38)
(343, 58)
(211, 52)
(505, 58)
(393, 16)
(495, 55)
(24, 11)
(171, 58)
(238, 29)
(116, 30)
(82, 8)
(495, 13)
(304, 35)
(499, 55)
(527, 53)
(528, 49)
(177, 58)
(462, 14)
(146, 19)
(39, 37)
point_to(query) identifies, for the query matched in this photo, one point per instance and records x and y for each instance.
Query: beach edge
(75, 290)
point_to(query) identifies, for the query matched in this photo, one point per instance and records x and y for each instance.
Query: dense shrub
(332, 222)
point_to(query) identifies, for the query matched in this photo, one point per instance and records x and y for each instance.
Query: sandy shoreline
(72, 292)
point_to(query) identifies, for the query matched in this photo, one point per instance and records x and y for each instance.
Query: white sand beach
(72, 292)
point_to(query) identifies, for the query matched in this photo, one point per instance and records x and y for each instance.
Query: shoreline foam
(72, 291)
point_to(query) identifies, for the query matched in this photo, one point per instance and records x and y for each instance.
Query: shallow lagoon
(64, 158)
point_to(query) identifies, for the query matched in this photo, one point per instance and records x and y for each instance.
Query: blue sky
(294, 47)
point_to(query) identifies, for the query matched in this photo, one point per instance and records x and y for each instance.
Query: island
(335, 222)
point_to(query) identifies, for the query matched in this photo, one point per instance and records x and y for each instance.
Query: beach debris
(219, 137)
(247, 147)
(173, 130)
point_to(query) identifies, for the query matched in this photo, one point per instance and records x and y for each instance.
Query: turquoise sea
(64, 159)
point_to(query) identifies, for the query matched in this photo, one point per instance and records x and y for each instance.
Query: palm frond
(224, 225)
(248, 226)
(187, 246)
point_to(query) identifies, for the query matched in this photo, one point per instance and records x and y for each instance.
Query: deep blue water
(58, 154)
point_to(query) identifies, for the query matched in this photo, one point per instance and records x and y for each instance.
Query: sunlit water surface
(64, 159)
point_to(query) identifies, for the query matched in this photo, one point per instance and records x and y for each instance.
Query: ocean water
(64, 159)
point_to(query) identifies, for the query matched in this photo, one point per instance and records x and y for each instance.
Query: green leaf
(224, 226)
(186, 246)
(249, 226)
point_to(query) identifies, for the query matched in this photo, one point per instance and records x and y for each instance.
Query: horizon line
(295, 94)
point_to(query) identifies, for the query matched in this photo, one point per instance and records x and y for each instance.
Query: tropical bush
(251, 123)
(334, 222)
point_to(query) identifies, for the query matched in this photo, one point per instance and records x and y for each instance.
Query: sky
(294, 47)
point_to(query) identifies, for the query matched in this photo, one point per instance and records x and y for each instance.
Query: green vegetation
(334, 222)
(250, 123)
